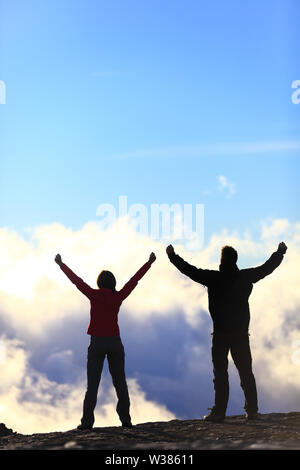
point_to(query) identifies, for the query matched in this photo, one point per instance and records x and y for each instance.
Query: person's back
(105, 302)
(228, 295)
(105, 305)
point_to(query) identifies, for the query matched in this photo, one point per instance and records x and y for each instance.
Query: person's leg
(241, 355)
(220, 349)
(116, 364)
(95, 360)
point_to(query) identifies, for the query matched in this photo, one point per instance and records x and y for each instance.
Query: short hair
(106, 279)
(228, 254)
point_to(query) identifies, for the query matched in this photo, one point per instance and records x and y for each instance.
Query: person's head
(106, 279)
(228, 255)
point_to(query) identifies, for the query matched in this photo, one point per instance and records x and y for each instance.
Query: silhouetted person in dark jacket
(228, 293)
(105, 303)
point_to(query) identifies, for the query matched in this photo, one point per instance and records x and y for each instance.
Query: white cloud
(35, 293)
(224, 183)
(214, 149)
(30, 402)
(37, 299)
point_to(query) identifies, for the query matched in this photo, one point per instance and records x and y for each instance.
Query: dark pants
(112, 347)
(239, 347)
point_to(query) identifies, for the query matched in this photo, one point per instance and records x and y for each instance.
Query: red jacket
(105, 303)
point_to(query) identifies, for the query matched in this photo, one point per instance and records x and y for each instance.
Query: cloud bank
(165, 325)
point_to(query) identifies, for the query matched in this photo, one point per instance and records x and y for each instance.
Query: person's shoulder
(95, 292)
(246, 272)
(211, 274)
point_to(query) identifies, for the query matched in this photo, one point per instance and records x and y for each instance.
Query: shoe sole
(214, 420)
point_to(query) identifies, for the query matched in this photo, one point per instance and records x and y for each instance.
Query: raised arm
(132, 283)
(258, 273)
(203, 276)
(79, 283)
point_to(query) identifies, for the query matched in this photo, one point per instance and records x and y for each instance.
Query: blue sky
(136, 98)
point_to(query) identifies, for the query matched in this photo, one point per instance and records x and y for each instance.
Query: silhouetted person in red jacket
(228, 293)
(105, 338)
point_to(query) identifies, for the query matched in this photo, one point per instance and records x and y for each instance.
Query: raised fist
(58, 259)
(282, 248)
(152, 258)
(170, 249)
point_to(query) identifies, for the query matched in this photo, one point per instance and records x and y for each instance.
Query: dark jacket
(228, 290)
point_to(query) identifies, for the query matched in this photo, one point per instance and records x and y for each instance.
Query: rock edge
(278, 431)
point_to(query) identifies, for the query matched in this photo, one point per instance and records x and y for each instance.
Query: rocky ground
(274, 431)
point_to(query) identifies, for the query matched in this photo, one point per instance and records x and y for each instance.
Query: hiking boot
(84, 427)
(127, 425)
(214, 416)
(252, 416)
